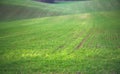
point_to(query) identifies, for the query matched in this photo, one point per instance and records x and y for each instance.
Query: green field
(81, 37)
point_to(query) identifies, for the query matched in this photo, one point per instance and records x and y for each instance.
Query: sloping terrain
(14, 12)
(86, 40)
(85, 43)
(14, 9)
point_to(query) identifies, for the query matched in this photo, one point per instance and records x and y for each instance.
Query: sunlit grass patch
(85, 43)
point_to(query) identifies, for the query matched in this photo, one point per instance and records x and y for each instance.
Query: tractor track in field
(84, 40)
(90, 32)
(59, 47)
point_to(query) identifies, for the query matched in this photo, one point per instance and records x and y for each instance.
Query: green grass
(85, 43)
(24, 9)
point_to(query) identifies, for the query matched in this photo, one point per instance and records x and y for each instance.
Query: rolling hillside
(83, 39)
(13, 10)
(23, 9)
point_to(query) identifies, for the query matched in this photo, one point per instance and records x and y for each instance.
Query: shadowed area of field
(15, 10)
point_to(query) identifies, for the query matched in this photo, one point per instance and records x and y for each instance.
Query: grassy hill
(14, 9)
(23, 9)
(85, 40)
